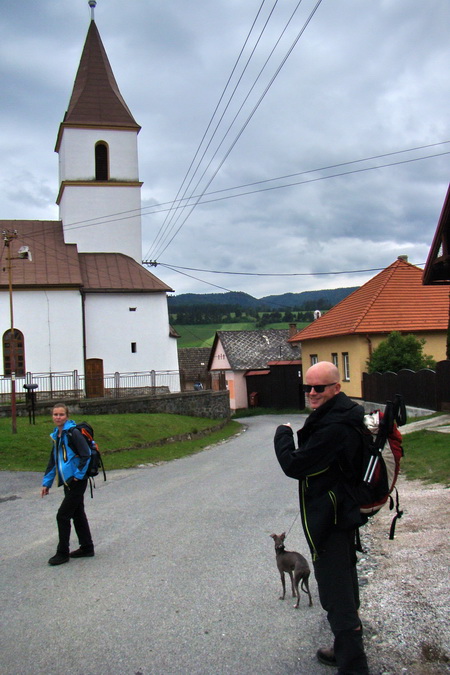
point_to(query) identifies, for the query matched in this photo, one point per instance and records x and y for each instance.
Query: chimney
(403, 257)
(292, 329)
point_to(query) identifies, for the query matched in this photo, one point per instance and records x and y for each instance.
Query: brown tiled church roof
(96, 99)
(53, 263)
(394, 300)
(116, 272)
(56, 264)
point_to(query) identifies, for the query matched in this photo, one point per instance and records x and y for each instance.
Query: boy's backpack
(96, 461)
(382, 454)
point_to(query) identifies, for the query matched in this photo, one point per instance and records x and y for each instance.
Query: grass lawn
(427, 457)
(123, 440)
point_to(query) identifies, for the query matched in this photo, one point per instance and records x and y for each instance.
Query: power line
(170, 211)
(161, 251)
(169, 229)
(178, 268)
(157, 208)
(313, 180)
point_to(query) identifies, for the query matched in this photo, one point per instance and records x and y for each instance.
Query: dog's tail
(305, 584)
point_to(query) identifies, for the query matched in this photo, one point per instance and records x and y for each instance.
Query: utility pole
(8, 236)
(24, 254)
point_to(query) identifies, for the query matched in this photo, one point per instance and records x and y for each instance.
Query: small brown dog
(295, 565)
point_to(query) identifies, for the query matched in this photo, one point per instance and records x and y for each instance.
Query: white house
(85, 303)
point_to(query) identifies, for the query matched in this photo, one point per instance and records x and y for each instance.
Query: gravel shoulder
(405, 590)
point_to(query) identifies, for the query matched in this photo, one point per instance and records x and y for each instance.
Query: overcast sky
(343, 81)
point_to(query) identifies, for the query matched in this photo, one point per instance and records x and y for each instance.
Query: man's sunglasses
(318, 388)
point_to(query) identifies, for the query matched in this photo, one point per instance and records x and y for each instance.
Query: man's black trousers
(72, 508)
(335, 572)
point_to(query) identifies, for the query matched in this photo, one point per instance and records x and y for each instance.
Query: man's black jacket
(328, 465)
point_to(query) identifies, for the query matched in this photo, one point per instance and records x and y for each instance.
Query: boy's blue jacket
(64, 462)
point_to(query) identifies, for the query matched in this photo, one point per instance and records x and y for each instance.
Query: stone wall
(210, 404)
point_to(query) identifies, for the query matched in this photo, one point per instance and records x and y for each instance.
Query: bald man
(327, 465)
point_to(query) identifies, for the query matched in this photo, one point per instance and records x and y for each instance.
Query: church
(74, 297)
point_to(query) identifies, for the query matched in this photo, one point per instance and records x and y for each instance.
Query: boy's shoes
(81, 552)
(59, 559)
(326, 656)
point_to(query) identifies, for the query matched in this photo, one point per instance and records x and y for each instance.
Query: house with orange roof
(83, 303)
(393, 300)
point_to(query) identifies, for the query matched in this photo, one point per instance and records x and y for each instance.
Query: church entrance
(95, 387)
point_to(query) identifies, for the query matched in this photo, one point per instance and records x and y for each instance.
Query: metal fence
(71, 384)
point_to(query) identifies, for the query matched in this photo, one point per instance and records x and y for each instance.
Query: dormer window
(101, 161)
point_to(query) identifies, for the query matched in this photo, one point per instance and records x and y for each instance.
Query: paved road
(184, 580)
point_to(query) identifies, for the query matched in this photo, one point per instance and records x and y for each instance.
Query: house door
(94, 378)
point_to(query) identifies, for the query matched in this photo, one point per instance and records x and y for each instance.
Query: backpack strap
(398, 514)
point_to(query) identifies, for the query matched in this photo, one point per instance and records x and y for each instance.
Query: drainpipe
(83, 321)
(369, 343)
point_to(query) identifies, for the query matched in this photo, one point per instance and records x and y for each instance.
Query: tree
(399, 351)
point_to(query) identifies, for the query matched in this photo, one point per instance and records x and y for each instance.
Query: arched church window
(13, 345)
(101, 161)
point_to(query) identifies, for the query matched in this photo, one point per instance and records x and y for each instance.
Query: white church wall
(77, 154)
(118, 234)
(51, 324)
(116, 321)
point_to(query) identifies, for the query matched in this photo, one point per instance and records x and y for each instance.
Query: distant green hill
(307, 299)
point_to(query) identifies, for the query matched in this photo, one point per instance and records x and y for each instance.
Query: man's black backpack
(96, 462)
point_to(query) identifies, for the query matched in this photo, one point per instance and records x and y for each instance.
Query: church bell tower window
(101, 161)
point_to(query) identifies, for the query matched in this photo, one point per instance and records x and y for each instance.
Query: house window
(314, 359)
(13, 345)
(132, 309)
(334, 359)
(101, 161)
(346, 362)
(133, 348)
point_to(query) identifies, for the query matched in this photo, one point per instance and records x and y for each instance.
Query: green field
(202, 335)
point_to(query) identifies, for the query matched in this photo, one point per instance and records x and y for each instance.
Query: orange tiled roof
(394, 299)
(96, 99)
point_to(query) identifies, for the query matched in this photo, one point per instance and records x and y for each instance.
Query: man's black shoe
(82, 553)
(59, 559)
(326, 656)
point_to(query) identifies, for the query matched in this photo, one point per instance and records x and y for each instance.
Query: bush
(397, 352)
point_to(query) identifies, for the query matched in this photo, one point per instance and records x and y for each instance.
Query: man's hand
(44, 491)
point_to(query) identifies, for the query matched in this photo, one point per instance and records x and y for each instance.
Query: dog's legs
(293, 585)
(296, 594)
(305, 587)
(283, 583)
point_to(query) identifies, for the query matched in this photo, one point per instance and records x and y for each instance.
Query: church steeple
(96, 100)
(98, 160)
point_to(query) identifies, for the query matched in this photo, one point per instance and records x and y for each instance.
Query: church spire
(96, 100)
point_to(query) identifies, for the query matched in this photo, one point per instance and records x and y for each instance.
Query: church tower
(99, 196)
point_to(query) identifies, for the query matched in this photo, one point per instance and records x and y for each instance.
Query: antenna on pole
(92, 4)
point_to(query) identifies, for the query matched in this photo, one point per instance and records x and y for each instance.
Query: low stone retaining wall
(211, 404)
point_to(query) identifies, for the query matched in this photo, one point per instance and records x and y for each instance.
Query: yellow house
(394, 300)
